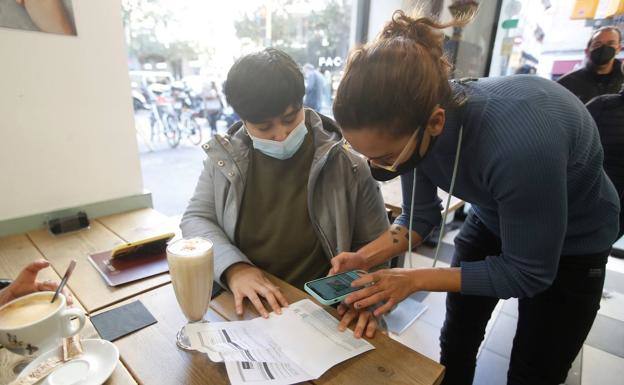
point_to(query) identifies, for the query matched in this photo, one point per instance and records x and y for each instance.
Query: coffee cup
(31, 325)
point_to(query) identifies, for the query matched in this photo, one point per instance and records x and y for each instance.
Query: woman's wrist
(372, 257)
(6, 295)
(436, 279)
(389, 244)
(417, 280)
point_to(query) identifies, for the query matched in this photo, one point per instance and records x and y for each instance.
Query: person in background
(281, 193)
(327, 76)
(26, 283)
(314, 87)
(602, 73)
(608, 112)
(212, 105)
(526, 69)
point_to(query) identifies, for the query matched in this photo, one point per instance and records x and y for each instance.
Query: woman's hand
(346, 262)
(389, 285)
(365, 321)
(26, 283)
(392, 242)
(247, 281)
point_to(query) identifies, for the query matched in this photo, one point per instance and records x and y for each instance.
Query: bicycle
(164, 120)
(188, 109)
(189, 126)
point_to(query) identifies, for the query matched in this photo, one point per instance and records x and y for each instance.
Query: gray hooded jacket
(344, 202)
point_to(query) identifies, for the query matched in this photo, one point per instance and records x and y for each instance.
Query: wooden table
(15, 252)
(150, 355)
(104, 234)
(161, 362)
(390, 362)
(393, 197)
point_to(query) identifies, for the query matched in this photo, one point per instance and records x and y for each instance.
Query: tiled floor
(601, 361)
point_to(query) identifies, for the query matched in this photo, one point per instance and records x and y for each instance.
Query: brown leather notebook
(133, 261)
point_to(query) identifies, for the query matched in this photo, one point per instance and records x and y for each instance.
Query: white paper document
(265, 373)
(299, 345)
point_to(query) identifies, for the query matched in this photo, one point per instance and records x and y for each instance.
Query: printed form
(299, 345)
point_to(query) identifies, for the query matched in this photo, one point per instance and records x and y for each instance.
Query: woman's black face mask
(383, 175)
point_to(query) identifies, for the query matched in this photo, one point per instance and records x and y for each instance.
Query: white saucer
(97, 363)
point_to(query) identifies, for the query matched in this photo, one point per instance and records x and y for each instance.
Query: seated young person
(280, 193)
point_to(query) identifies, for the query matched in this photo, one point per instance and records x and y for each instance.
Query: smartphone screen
(335, 286)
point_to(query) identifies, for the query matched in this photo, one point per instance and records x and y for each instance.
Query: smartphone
(155, 244)
(331, 290)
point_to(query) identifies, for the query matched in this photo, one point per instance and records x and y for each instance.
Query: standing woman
(544, 213)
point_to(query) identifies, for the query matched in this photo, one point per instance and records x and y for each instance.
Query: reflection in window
(198, 40)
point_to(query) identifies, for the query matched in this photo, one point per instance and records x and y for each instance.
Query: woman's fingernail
(357, 305)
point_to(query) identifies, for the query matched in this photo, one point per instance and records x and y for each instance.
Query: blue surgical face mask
(284, 149)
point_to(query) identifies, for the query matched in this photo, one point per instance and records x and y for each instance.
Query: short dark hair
(262, 85)
(604, 29)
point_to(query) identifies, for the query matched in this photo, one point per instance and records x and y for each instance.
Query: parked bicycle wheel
(194, 132)
(172, 131)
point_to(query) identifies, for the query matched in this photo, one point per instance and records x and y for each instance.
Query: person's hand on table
(388, 285)
(26, 283)
(247, 281)
(365, 322)
(347, 261)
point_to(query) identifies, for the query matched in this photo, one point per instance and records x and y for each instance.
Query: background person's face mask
(601, 55)
(284, 149)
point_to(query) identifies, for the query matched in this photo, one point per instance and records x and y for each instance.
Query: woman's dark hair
(262, 85)
(394, 82)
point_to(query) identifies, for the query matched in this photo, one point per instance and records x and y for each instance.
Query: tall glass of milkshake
(191, 269)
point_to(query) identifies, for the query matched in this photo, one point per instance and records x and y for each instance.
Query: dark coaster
(121, 321)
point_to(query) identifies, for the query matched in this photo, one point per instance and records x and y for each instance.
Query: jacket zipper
(239, 194)
(317, 227)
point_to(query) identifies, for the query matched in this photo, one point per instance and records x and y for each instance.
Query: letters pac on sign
(330, 61)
